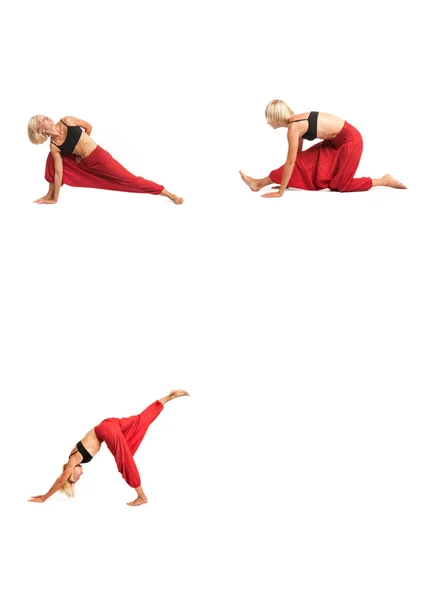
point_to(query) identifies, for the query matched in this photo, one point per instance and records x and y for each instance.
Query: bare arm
(84, 124)
(57, 484)
(293, 139)
(300, 147)
(58, 173)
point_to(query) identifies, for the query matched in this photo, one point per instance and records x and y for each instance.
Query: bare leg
(141, 497)
(389, 181)
(175, 199)
(48, 197)
(255, 184)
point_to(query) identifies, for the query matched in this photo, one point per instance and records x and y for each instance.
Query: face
(77, 472)
(43, 123)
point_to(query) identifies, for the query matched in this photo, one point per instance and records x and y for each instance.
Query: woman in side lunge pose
(331, 163)
(122, 437)
(75, 159)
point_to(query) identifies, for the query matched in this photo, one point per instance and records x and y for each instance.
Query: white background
(294, 469)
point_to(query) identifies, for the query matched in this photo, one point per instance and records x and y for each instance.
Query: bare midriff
(85, 146)
(90, 442)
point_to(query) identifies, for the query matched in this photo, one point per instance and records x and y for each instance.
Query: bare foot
(173, 197)
(177, 394)
(252, 183)
(139, 500)
(176, 199)
(393, 183)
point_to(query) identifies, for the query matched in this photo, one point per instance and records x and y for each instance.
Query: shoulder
(74, 459)
(69, 120)
(300, 116)
(55, 151)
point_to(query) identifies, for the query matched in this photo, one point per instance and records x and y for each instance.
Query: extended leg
(175, 199)
(134, 428)
(255, 184)
(101, 171)
(388, 181)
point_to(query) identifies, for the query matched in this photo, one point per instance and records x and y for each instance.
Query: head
(68, 487)
(37, 127)
(278, 114)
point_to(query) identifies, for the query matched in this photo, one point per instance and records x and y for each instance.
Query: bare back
(328, 125)
(90, 442)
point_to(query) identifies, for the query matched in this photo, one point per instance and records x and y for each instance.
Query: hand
(272, 195)
(177, 394)
(45, 201)
(41, 498)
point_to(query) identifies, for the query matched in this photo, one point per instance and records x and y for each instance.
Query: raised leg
(172, 395)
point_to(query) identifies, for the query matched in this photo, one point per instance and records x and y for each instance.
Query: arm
(56, 486)
(58, 173)
(84, 124)
(300, 147)
(293, 139)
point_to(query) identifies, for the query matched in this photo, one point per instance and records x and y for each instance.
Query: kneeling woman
(76, 160)
(122, 437)
(331, 163)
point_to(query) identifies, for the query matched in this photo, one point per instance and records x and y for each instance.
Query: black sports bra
(311, 132)
(86, 456)
(71, 140)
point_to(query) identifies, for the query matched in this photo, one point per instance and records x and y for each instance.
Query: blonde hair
(278, 112)
(68, 487)
(34, 135)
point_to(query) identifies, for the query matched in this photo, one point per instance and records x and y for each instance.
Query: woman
(122, 437)
(75, 159)
(331, 163)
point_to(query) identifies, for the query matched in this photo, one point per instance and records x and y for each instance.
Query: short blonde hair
(68, 487)
(34, 135)
(278, 112)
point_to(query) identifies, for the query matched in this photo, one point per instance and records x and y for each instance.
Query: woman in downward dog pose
(75, 159)
(122, 437)
(331, 163)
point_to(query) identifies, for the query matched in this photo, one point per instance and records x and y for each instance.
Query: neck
(53, 131)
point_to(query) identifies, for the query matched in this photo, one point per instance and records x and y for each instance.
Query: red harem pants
(100, 170)
(329, 164)
(123, 437)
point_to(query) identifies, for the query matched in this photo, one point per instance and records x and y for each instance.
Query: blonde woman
(331, 163)
(122, 437)
(76, 160)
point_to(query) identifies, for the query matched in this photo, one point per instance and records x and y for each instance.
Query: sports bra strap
(298, 121)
